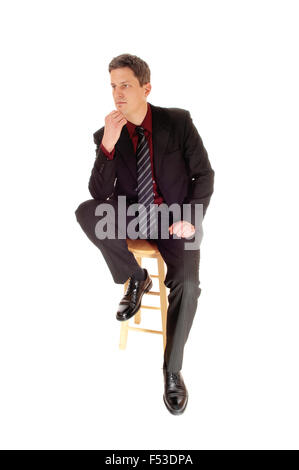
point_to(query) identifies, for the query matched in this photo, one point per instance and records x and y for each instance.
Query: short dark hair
(138, 66)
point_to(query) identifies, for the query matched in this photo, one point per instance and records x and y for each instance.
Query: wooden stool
(147, 249)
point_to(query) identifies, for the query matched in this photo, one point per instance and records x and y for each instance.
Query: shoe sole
(138, 306)
(172, 411)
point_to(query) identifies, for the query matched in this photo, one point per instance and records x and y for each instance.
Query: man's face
(128, 95)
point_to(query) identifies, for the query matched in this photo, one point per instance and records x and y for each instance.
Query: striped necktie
(147, 217)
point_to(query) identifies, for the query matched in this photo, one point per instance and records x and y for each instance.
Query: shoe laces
(130, 285)
(180, 389)
(133, 284)
(174, 375)
(133, 288)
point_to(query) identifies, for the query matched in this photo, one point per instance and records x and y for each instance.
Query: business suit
(184, 175)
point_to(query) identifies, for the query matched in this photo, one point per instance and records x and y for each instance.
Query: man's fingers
(113, 113)
(116, 115)
(187, 234)
(177, 228)
(118, 118)
(182, 229)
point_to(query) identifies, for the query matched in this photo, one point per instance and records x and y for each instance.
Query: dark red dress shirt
(147, 125)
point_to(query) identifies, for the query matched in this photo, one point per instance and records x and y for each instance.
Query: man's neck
(139, 116)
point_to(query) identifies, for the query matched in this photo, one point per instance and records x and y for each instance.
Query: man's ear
(147, 88)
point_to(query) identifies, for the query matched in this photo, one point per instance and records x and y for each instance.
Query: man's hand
(114, 123)
(182, 228)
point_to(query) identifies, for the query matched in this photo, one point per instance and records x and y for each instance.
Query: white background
(64, 382)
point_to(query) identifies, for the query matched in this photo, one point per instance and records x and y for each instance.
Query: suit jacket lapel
(161, 130)
(160, 135)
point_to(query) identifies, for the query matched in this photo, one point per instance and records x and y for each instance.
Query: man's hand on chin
(182, 228)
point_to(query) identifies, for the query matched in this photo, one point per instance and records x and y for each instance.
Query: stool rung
(149, 306)
(141, 249)
(145, 329)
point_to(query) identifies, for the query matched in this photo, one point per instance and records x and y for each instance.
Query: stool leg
(124, 328)
(137, 317)
(163, 296)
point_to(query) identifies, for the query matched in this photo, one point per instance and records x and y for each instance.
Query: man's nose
(119, 93)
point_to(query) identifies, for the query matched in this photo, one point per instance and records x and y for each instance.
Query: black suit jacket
(183, 172)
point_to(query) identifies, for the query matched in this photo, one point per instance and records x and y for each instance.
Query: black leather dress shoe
(175, 393)
(131, 301)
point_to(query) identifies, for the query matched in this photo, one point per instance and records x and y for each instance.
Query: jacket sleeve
(109, 155)
(199, 168)
(103, 174)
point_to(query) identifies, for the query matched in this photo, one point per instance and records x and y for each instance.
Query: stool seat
(143, 248)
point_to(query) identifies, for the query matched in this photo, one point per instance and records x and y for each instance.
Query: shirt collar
(146, 123)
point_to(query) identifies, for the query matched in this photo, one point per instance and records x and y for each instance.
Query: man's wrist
(108, 147)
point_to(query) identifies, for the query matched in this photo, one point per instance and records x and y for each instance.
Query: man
(149, 154)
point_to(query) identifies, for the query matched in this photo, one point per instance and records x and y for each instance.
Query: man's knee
(85, 209)
(185, 281)
(191, 287)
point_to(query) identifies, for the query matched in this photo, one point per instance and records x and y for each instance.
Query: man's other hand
(182, 228)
